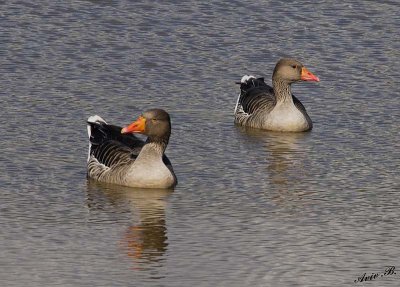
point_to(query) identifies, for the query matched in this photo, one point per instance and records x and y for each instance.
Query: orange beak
(306, 75)
(136, 127)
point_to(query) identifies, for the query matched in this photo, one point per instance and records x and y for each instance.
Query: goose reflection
(286, 155)
(145, 239)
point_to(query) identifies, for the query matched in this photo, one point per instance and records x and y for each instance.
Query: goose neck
(282, 90)
(155, 146)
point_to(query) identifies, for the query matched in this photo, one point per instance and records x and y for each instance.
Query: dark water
(252, 208)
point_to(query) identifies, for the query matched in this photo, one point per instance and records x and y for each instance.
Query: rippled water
(252, 208)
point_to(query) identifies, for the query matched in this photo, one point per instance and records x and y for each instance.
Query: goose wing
(302, 109)
(108, 148)
(112, 153)
(255, 96)
(299, 105)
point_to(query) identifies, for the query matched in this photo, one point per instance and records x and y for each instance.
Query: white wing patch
(96, 119)
(245, 78)
(236, 106)
(93, 119)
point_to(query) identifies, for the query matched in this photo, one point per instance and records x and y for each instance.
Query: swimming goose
(117, 156)
(274, 108)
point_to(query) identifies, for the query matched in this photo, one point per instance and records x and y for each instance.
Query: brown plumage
(117, 156)
(274, 108)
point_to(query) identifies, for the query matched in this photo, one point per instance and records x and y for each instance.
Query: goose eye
(294, 66)
(154, 120)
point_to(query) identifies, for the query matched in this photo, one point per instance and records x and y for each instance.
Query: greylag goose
(117, 156)
(274, 108)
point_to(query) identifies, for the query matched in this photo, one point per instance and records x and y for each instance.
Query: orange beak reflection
(136, 127)
(306, 75)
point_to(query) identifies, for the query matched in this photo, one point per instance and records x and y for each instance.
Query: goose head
(154, 123)
(291, 70)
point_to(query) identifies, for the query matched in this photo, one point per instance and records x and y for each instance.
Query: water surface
(252, 208)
